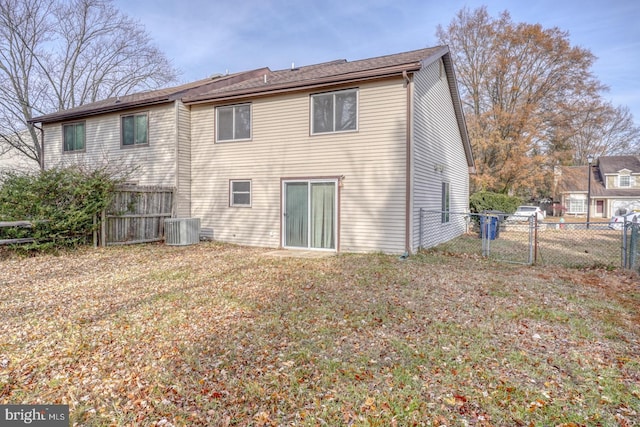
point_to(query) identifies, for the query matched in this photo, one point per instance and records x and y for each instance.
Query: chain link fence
(524, 240)
(579, 244)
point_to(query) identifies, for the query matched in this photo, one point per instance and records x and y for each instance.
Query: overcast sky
(206, 37)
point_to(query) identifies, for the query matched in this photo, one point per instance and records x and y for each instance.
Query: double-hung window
(334, 111)
(625, 181)
(233, 123)
(446, 201)
(74, 136)
(240, 193)
(576, 205)
(135, 129)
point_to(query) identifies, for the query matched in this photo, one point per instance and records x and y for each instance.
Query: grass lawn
(220, 335)
(567, 248)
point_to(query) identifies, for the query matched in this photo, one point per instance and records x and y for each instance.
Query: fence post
(535, 238)
(632, 250)
(103, 228)
(484, 234)
(531, 237)
(420, 231)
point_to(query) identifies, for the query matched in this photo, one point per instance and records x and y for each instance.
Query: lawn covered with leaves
(221, 335)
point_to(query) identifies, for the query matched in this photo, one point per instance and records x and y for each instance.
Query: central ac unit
(182, 231)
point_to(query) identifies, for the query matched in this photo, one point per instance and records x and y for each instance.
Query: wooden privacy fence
(12, 224)
(136, 215)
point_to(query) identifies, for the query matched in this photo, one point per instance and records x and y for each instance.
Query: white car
(524, 212)
(616, 222)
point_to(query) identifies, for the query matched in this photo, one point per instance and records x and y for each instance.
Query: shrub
(486, 200)
(60, 202)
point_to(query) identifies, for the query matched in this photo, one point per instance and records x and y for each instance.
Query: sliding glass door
(310, 214)
(296, 214)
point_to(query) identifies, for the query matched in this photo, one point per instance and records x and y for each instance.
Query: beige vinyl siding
(183, 184)
(437, 142)
(611, 181)
(372, 160)
(15, 161)
(154, 164)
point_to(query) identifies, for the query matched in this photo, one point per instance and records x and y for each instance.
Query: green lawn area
(221, 335)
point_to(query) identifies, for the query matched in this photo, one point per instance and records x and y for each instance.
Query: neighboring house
(615, 186)
(338, 156)
(144, 137)
(13, 160)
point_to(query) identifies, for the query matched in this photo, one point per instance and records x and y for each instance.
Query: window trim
(84, 136)
(232, 193)
(233, 107)
(134, 114)
(334, 93)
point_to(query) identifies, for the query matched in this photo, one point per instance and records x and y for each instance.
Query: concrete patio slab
(293, 253)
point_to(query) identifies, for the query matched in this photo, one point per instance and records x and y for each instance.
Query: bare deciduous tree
(58, 54)
(603, 130)
(531, 100)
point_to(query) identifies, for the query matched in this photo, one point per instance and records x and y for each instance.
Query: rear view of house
(338, 156)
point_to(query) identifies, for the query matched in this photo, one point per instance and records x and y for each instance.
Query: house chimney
(557, 176)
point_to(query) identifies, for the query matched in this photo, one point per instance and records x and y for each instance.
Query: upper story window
(334, 111)
(74, 136)
(233, 122)
(625, 181)
(135, 129)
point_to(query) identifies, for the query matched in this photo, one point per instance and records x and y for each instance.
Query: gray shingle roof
(573, 179)
(614, 164)
(145, 98)
(334, 72)
(256, 82)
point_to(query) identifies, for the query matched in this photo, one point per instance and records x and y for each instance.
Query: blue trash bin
(489, 227)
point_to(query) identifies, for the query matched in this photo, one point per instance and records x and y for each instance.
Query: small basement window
(240, 193)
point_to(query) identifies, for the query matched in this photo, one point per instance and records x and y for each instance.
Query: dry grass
(570, 247)
(576, 219)
(222, 335)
